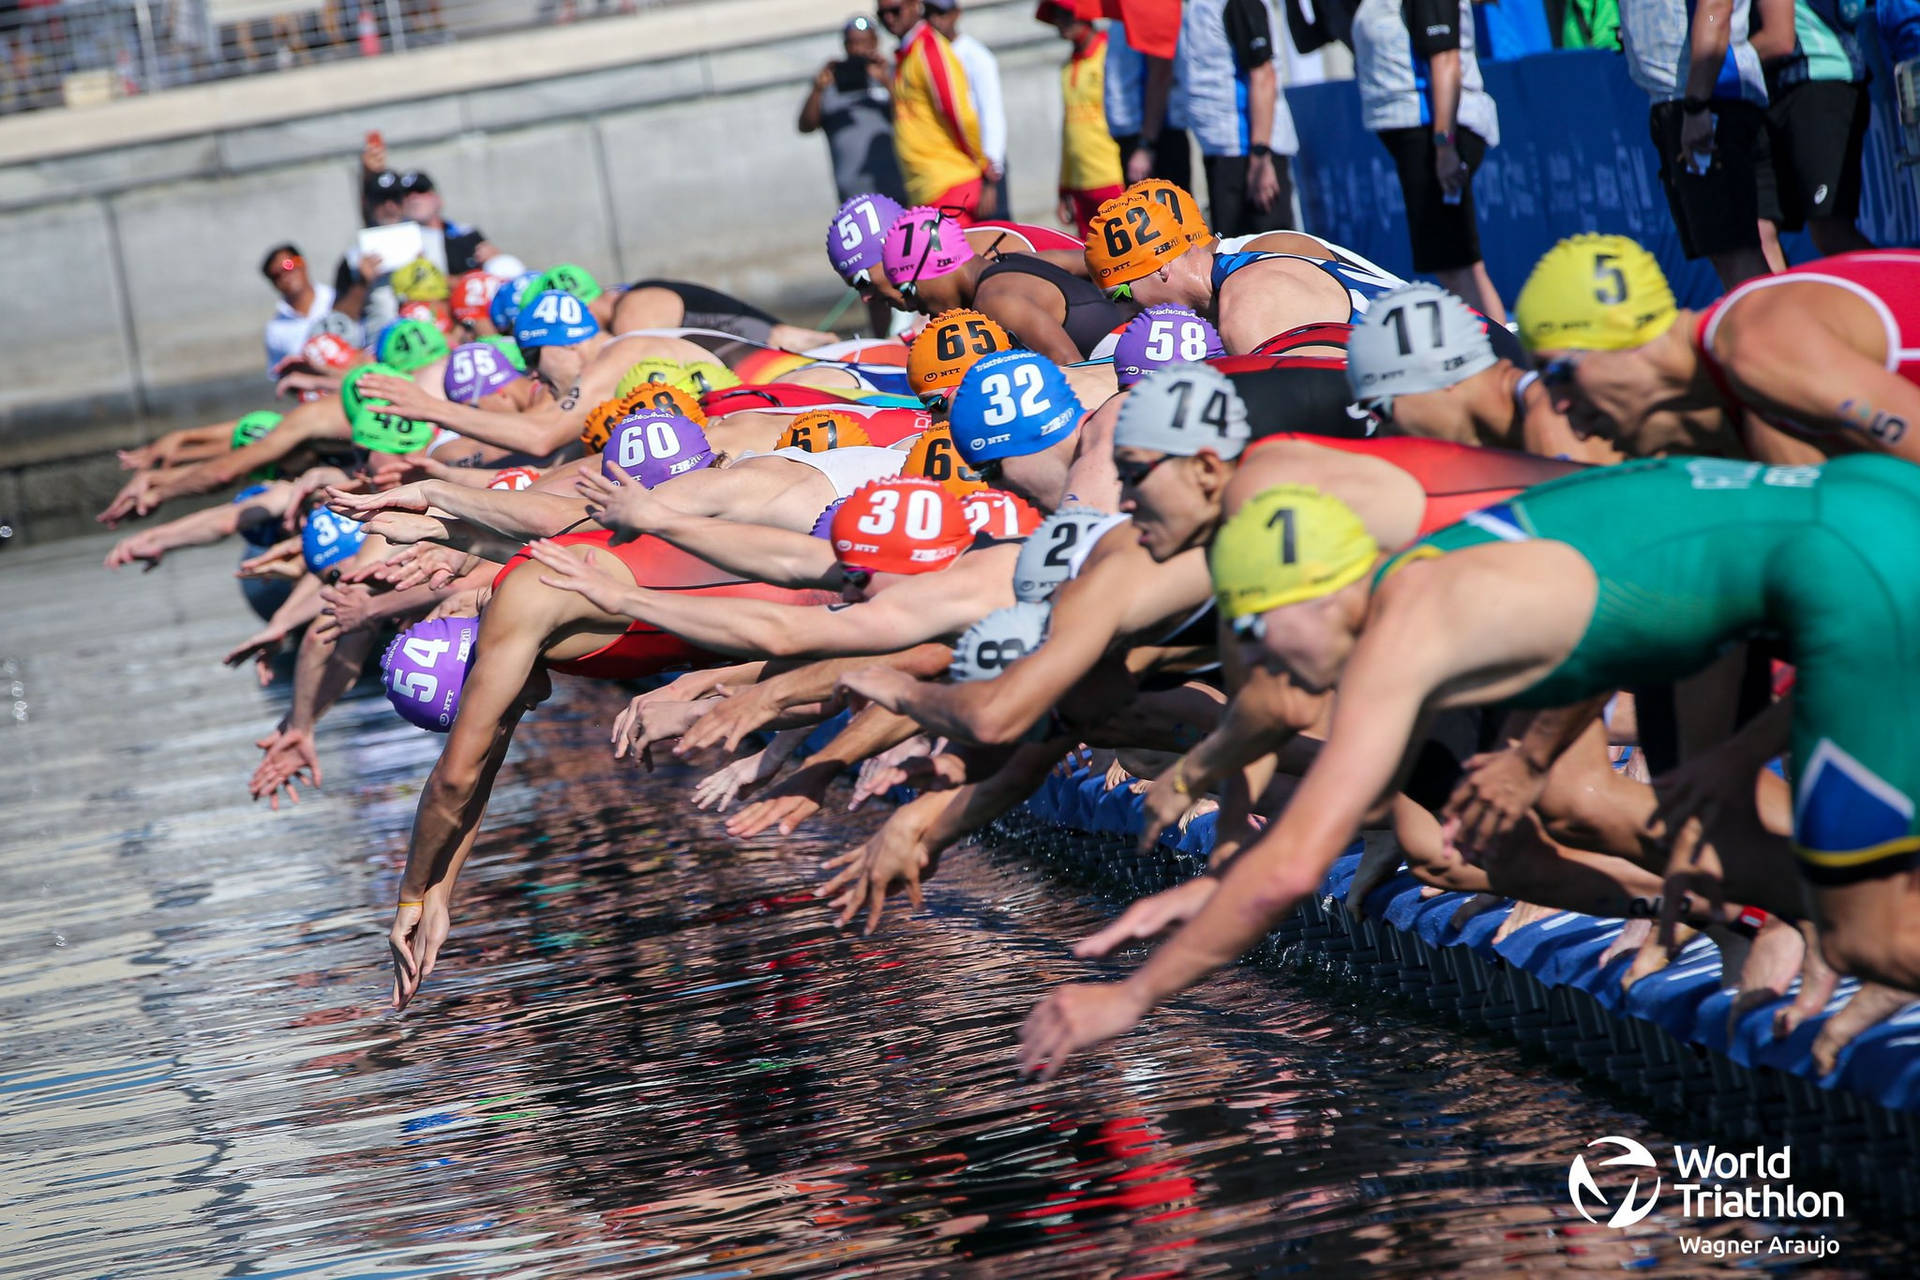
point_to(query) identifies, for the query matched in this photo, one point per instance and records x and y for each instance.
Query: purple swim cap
(655, 445)
(425, 666)
(477, 369)
(858, 232)
(823, 527)
(924, 244)
(1165, 333)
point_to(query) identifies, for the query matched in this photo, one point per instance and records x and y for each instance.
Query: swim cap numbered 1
(1133, 236)
(1165, 333)
(569, 278)
(654, 446)
(476, 370)
(933, 457)
(327, 539)
(924, 244)
(473, 293)
(505, 307)
(1012, 404)
(900, 526)
(818, 430)
(1181, 410)
(952, 343)
(598, 428)
(1057, 549)
(425, 669)
(553, 318)
(1287, 544)
(1594, 293)
(410, 344)
(988, 647)
(373, 428)
(1414, 338)
(419, 281)
(856, 238)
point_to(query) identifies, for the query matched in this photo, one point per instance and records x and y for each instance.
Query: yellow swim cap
(652, 369)
(1594, 293)
(420, 281)
(1289, 543)
(702, 376)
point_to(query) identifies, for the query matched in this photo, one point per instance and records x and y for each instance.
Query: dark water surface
(647, 1053)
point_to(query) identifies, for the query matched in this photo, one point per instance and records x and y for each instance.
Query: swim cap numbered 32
(654, 446)
(1012, 404)
(900, 526)
(1287, 544)
(426, 668)
(856, 238)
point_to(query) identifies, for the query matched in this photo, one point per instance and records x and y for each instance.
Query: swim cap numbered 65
(952, 343)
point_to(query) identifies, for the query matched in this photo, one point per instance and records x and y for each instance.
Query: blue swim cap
(505, 307)
(1011, 404)
(261, 533)
(328, 539)
(553, 319)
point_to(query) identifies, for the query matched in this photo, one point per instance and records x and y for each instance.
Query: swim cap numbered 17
(568, 278)
(476, 370)
(1414, 338)
(1287, 544)
(373, 428)
(924, 244)
(1012, 404)
(952, 343)
(988, 647)
(410, 344)
(505, 307)
(900, 526)
(1165, 333)
(426, 668)
(857, 236)
(553, 318)
(818, 430)
(327, 539)
(1181, 410)
(1594, 293)
(654, 446)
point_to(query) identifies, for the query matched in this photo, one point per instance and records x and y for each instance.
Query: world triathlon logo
(1581, 1187)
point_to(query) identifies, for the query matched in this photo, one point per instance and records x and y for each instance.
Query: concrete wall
(132, 271)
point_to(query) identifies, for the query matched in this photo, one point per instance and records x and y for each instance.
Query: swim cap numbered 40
(553, 318)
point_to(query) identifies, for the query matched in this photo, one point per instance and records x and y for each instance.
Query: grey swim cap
(1182, 409)
(1415, 338)
(997, 641)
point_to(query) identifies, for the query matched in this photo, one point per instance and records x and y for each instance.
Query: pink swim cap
(924, 244)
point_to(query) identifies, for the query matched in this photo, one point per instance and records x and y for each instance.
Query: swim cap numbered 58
(1163, 334)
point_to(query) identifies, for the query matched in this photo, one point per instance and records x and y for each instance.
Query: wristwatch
(1443, 137)
(1694, 106)
(1260, 151)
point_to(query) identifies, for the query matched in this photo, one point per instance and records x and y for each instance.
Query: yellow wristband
(419, 902)
(1180, 783)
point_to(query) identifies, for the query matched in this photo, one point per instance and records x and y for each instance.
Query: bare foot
(1523, 913)
(1379, 862)
(1817, 981)
(1871, 1004)
(1653, 957)
(1631, 936)
(1773, 957)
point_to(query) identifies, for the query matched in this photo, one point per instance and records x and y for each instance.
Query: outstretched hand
(1150, 916)
(893, 858)
(290, 756)
(789, 804)
(618, 501)
(1075, 1017)
(419, 930)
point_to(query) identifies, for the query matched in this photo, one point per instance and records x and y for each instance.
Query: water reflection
(647, 1053)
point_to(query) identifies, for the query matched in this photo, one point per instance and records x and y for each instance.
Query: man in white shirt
(983, 82)
(301, 302)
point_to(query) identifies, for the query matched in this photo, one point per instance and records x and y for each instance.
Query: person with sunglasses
(1421, 361)
(1043, 300)
(302, 302)
(1805, 364)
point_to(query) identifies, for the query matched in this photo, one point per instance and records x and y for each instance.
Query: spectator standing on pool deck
(1090, 172)
(852, 103)
(1709, 107)
(301, 302)
(1146, 112)
(989, 105)
(936, 135)
(1236, 110)
(1422, 96)
(1817, 114)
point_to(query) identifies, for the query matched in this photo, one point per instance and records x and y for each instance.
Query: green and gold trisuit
(1694, 555)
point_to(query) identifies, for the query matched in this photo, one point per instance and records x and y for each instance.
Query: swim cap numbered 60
(1165, 333)
(553, 318)
(375, 428)
(654, 446)
(426, 667)
(327, 539)
(1287, 544)
(952, 343)
(856, 238)
(1594, 293)
(1012, 404)
(924, 244)
(900, 526)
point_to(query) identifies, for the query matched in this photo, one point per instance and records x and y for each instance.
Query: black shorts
(1445, 237)
(710, 309)
(1816, 131)
(1717, 211)
(1232, 214)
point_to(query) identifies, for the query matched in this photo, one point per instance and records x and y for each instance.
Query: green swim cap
(411, 344)
(509, 348)
(373, 429)
(252, 427)
(568, 278)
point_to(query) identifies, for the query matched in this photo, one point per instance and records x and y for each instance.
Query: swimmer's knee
(1869, 950)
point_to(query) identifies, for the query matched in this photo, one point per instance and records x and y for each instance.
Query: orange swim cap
(947, 348)
(935, 458)
(900, 526)
(818, 430)
(1179, 202)
(1133, 236)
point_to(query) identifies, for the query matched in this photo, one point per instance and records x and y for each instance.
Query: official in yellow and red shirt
(1090, 167)
(936, 135)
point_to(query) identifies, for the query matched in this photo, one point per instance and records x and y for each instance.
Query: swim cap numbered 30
(1287, 544)
(426, 668)
(654, 446)
(900, 526)
(1012, 404)
(1594, 293)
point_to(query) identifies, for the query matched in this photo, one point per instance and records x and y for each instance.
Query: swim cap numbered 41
(410, 344)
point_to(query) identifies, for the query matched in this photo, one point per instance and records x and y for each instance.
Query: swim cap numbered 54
(426, 668)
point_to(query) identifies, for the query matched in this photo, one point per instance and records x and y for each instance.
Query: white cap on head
(1181, 410)
(999, 640)
(1415, 338)
(1056, 549)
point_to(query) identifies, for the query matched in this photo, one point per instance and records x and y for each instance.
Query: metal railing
(56, 53)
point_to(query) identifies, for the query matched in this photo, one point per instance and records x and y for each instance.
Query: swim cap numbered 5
(476, 370)
(373, 427)
(1165, 333)
(1287, 544)
(425, 669)
(924, 244)
(1594, 293)
(654, 446)
(857, 236)
(818, 430)
(1012, 404)
(949, 346)
(327, 539)
(553, 318)
(900, 526)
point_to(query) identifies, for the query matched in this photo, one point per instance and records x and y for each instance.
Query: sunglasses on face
(1133, 474)
(855, 577)
(889, 10)
(1556, 375)
(1121, 293)
(989, 472)
(1252, 627)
